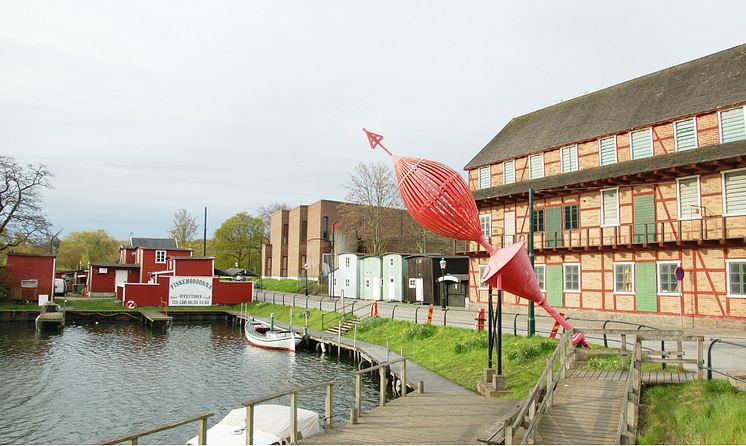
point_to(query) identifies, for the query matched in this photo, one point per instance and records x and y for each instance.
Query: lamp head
(442, 263)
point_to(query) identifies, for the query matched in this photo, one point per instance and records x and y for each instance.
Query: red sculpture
(439, 199)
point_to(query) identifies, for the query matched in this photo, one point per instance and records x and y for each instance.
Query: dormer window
(509, 172)
(160, 256)
(641, 143)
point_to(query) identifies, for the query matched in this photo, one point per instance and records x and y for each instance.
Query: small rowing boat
(267, 336)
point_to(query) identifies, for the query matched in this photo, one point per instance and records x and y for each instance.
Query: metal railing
(709, 367)
(358, 407)
(328, 409)
(201, 419)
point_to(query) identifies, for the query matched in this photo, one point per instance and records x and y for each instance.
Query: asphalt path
(728, 346)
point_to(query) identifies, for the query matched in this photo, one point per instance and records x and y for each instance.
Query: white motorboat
(266, 336)
(271, 426)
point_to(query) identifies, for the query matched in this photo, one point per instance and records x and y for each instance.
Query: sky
(141, 108)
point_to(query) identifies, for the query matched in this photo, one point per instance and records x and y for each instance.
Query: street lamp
(443, 300)
(305, 270)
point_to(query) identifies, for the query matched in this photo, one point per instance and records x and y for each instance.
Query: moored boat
(267, 336)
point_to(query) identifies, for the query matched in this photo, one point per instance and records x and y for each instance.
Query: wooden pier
(156, 318)
(56, 320)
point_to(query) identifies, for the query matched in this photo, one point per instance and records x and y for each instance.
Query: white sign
(43, 298)
(190, 291)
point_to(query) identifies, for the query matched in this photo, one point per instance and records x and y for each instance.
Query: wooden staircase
(346, 326)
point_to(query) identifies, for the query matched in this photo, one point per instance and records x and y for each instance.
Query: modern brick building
(630, 182)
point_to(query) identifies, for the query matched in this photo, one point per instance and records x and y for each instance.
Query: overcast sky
(142, 107)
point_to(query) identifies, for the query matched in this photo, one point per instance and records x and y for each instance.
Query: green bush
(532, 348)
(418, 332)
(471, 344)
(370, 323)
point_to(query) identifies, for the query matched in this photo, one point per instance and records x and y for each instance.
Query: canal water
(91, 381)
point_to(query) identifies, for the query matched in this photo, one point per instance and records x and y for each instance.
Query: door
(643, 209)
(418, 291)
(376, 283)
(392, 288)
(509, 228)
(121, 277)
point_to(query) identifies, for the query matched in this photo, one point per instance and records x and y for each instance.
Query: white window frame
(488, 219)
(103, 270)
(658, 265)
(543, 276)
(577, 161)
(480, 171)
(160, 253)
(696, 136)
(603, 219)
(412, 283)
(722, 185)
(616, 149)
(720, 120)
(510, 163)
(391, 261)
(727, 277)
(652, 144)
(480, 272)
(699, 198)
(530, 157)
(580, 278)
(30, 283)
(347, 262)
(630, 264)
(347, 283)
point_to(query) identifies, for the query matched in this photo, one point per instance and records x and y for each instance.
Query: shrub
(370, 323)
(419, 332)
(531, 348)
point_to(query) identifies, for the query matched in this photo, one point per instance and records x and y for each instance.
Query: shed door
(509, 228)
(121, 277)
(418, 291)
(392, 288)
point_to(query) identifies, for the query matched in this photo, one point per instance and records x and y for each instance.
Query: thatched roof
(713, 81)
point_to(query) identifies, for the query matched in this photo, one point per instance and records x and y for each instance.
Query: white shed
(345, 277)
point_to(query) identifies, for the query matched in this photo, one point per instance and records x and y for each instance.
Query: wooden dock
(156, 318)
(427, 418)
(55, 319)
(659, 377)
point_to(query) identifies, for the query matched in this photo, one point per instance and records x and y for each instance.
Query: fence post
(700, 340)
(623, 340)
(250, 424)
(393, 310)
(416, 310)
(403, 375)
(515, 324)
(307, 302)
(294, 417)
(359, 393)
(328, 424)
(202, 431)
(382, 390)
(606, 341)
(294, 296)
(283, 298)
(508, 429)
(445, 312)
(273, 298)
(709, 359)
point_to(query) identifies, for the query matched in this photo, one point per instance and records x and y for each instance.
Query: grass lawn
(704, 412)
(293, 286)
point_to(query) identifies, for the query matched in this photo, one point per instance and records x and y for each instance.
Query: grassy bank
(704, 412)
(293, 286)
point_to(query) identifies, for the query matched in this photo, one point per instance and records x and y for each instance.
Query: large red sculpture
(439, 199)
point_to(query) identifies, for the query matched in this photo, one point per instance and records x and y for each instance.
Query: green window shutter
(733, 125)
(642, 144)
(554, 285)
(509, 172)
(553, 226)
(689, 198)
(735, 192)
(607, 147)
(686, 136)
(646, 294)
(484, 177)
(643, 208)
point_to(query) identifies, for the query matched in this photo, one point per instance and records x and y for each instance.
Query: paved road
(724, 356)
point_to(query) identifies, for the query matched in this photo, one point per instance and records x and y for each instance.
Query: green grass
(613, 362)
(703, 412)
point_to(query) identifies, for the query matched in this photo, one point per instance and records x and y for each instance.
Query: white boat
(262, 335)
(271, 426)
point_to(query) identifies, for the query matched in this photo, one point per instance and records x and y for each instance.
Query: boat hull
(260, 335)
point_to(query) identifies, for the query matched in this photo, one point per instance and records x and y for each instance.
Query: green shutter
(553, 226)
(608, 150)
(554, 285)
(644, 215)
(646, 295)
(733, 125)
(642, 144)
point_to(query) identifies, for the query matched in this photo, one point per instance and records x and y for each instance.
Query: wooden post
(623, 340)
(404, 378)
(700, 353)
(358, 393)
(339, 339)
(679, 348)
(294, 417)
(132, 441)
(508, 430)
(202, 431)
(382, 391)
(250, 424)
(549, 386)
(353, 416)
(328, 424)
(420, 387)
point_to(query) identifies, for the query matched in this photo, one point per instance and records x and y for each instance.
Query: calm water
(95, 381)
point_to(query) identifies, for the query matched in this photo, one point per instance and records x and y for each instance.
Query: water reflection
(94, 381)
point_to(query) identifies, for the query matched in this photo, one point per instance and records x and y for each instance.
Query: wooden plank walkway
(428, 418)
(660, 377)
(155, 316)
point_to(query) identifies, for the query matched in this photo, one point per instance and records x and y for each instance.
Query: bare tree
(21, 217)
(373, 190)
(184, 229)
(265, 212)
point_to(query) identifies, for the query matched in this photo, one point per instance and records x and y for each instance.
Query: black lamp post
(443, 300)
(305, 270)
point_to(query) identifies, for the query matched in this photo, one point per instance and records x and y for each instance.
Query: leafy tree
(21, 217)
(81, 247)
(184, 229)
(238, 242)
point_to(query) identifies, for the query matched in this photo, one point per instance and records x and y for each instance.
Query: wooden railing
(627, 429)
(358, 407)
(133, 438)
(328, 409)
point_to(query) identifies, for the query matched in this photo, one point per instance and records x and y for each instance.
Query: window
(685, 134)
(509, 172)
(732, 125)
(391, 261)
(367, 283)
(569, 158)
(412, 283)
(571, 217)
(103, 270)
(641, 143)
(347, 282)
(335, 281)
(486, 221)
(734, 192)
(607, 150)
(624, 278)
(667, 283)
(538, 223)
(540, 271)
(536, 166)
(736, 278)
(484, 177)
(325, 227)
(30, 283)
(482, 285)
(347, 262)
(160, 256)
(571, 277)
(609, 207)
(688, 193)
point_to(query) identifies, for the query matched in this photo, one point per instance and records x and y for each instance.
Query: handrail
(339, 315)
(709, 367)
(358, 407)
(627, 427)
(201, 436)
(293, 409)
